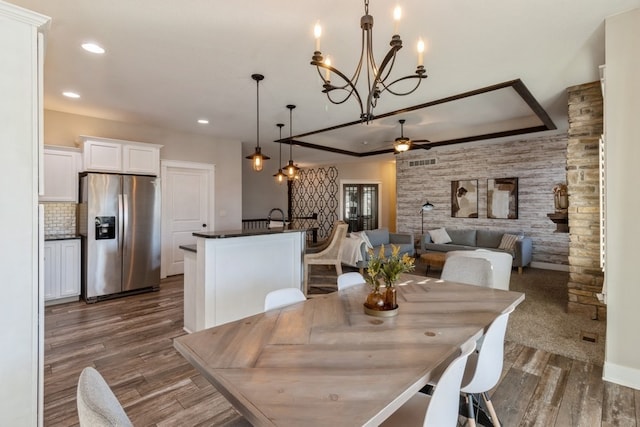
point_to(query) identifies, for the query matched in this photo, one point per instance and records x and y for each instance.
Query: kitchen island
(227, 274)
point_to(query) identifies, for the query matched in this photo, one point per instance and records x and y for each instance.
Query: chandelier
(257, 158)
(377, 76)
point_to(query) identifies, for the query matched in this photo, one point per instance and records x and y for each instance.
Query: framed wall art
(464, 198)
(502, 198)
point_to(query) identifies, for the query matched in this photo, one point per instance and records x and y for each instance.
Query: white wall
(622, 146)
(260, 192)
(375, 170)
(19, 241)
(64, 129)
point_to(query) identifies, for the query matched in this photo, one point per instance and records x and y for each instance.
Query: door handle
(204, 225)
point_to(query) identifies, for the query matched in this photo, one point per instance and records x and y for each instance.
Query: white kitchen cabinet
(101, 156)
(113, 155)
(61, 167)
(140, 159)
(62, 270)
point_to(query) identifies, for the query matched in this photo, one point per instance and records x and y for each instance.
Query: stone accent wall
(538, 163)
(585, 127)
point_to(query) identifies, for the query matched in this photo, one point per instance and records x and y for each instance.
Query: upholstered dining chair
(473, 271)
(331, 255)
(324, 244)
(97, 405)
(346, 280)
(484, 368)
(440, 409)
(282, 297)
(500, 261)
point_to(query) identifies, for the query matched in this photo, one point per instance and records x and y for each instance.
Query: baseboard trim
(622, 375)
(549, 266)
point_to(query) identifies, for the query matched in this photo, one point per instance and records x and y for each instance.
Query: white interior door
(187, 207)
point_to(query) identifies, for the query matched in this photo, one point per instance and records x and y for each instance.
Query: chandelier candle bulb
(397, 14)
(317, 32)
(420, 52)
(327, 72)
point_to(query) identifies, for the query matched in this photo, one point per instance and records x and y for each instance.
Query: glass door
(361, 206)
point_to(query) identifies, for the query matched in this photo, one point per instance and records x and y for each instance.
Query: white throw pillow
(508, 242)
(362, 235)
(439, 236)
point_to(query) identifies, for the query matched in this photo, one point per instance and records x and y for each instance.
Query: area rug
(541, 320)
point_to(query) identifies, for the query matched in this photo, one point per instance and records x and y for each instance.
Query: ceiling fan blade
(423, 146)
(421, 140)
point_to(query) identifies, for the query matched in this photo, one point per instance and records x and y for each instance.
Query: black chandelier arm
(348, 87)
(374, 92)
(420, 77)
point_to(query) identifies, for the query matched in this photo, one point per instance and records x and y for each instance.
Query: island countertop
(245, 233)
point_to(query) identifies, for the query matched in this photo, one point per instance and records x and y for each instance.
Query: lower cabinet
(61, 269)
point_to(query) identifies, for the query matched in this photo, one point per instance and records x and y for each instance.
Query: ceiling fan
(402, 143)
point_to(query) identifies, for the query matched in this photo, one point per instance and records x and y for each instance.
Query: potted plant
(387, 270)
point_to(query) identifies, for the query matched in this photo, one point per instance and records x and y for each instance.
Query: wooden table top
(323, 362)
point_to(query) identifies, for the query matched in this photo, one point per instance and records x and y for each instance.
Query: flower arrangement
(560, 189)
(387, 268)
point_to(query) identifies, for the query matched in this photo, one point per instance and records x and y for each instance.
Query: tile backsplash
(59, 218)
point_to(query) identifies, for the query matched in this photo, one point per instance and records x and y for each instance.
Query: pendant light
(290, 169)
(257, 158)
(280, 176)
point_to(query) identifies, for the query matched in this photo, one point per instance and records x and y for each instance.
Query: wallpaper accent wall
(538, 164)
(317, 192)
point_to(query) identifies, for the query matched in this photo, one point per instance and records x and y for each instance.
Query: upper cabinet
(113, 155)
(61, 167)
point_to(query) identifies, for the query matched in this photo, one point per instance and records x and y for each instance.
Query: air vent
(423, 162)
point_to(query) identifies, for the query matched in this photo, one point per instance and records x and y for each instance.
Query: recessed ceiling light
(93, 48)
(71, 94)
(203, 121)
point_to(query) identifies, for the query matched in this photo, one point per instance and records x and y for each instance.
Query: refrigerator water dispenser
(105, 227)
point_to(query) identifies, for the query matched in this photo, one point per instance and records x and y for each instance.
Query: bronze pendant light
(290, 168)
(280, 176)
(257, 158)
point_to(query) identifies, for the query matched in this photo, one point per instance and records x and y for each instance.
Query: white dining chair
(472, 271)
(501, 262)
(96, 403)
(440, 409)
(283, 297)
(484, 368)
(346, 280)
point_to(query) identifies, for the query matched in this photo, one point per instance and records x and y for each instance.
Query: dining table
(325, 362)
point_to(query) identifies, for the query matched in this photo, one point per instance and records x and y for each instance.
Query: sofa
(449, 239)
(374, 239)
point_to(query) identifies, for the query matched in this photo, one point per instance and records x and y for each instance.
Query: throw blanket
(351, 253)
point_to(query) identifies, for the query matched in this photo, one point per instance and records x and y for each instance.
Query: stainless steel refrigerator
(119, 224)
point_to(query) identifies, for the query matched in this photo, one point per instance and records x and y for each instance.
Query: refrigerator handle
(125, 215)
(120, 221)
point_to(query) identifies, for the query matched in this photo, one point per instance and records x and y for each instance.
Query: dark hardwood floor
(129, 340)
